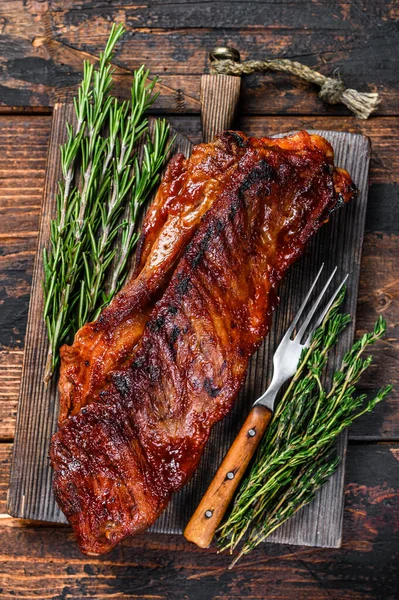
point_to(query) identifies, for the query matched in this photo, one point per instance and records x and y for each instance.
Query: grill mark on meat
(156, 324)
(211, 390)
(203, 246)
(122, 383)
(183, 284)
(261, 173)
(117, 464)
(174, 335)
(234, 209)
(138, 362)
(173, 339)
(154, 373)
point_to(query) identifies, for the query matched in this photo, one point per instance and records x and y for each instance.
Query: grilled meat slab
(187, 191)
(119, 459)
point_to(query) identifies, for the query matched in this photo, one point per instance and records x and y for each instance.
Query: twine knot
(332, 91)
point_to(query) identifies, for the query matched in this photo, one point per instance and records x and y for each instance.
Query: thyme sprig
(104, 184)
(296, 456)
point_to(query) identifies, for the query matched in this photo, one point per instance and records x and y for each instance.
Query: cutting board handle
(219, 99)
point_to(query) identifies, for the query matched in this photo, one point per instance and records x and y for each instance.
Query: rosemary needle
(104, 183)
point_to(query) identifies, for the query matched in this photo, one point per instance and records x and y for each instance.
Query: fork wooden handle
(210, 511)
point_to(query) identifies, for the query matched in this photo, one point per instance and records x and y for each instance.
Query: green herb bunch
(296, 456)
(104, 184)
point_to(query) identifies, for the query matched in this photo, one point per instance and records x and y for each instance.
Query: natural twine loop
(332, 89)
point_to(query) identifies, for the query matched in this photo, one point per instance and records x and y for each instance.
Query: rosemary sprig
(127, 125)
(296, 456)
(102, 176)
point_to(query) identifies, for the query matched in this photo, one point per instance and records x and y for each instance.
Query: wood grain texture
(23, 147)
(44, 562)
(10, 378)
(219, 100)
(338, 244)
(24, 139)
(5, 464)
(213, 505)
(43, 44)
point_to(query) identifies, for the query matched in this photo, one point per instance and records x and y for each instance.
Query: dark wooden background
(42, 45)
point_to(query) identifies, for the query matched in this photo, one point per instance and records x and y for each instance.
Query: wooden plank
(39, 561)
(24, 141)
(23, 145)
(22, 167)
(5, 464)
(30, 485)
(43, 45)
(380, 298)
(10, 378)
(180, 13)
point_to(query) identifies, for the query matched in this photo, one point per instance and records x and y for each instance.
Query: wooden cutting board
(338, 243)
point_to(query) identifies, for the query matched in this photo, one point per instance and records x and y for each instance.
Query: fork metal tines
(286, 357)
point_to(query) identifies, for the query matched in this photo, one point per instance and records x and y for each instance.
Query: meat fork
(210, 511)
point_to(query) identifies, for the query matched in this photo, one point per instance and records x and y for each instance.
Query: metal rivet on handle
(230, 475)
(208, 513)
(252, 433)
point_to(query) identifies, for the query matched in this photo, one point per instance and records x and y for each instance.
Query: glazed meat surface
(185, 194)
(119, 459)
